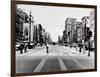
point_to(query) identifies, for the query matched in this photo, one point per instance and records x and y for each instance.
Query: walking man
(25, 48)
(21, 48)
(47, 47)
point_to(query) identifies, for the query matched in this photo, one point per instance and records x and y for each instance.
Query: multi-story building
(65, 38)
(26, 31)
(86, 25)
(20, 19)
(60, 40)
(44, 36)
(35, 34)
(40, 40)
(48, 38)
(40, 36)
(79, 31)
(70, 28)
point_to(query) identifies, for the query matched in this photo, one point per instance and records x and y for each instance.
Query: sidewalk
(37, 51)
(83, 52)
(72, 52)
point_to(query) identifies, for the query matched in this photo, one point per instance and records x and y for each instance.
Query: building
(26, 32)
(40, 36)
(39, 28)
(92, 26)
(24, 27)
(70, 28)
(59, 40)
(44, 36)
(79, 31)
(86, 25)
(21, 17)
(35, 34)
(65, 38)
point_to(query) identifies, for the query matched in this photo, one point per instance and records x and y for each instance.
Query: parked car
(65, 44)
(74, 45)
(17, 46)
(30, 45)
(38, 44)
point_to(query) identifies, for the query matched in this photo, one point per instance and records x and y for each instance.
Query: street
(59, 58)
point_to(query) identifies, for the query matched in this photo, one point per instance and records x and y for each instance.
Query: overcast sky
(53, 18)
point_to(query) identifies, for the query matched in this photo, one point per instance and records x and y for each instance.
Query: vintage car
(17, 46)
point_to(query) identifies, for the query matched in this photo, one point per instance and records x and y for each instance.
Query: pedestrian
(86, 45)
(47, 48)
(80, 45)
(21, 48)
(89, 48)
(25, 48)
(33, 45)
(84, 49)
(80, 49)
(76, 47)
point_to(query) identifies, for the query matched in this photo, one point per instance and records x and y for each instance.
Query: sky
(52, 18)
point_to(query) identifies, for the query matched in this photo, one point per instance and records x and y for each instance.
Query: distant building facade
(79, 31)
(35, 34)
(70, 30)
(26, 31)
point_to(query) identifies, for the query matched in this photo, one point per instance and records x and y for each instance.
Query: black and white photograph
(54, 38)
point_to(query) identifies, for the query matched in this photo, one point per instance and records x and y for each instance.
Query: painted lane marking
(39, 67)
(77, 62)
(62, 65)
(80, 64)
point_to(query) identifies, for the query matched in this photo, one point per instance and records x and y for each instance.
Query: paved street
(59, 58)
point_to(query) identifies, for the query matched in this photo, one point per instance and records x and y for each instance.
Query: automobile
(24, 41)
(65, 44)
(80, 45)
(30, 45)
(54, 43)
(17, 46)
(38, 44)
(74, 45)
